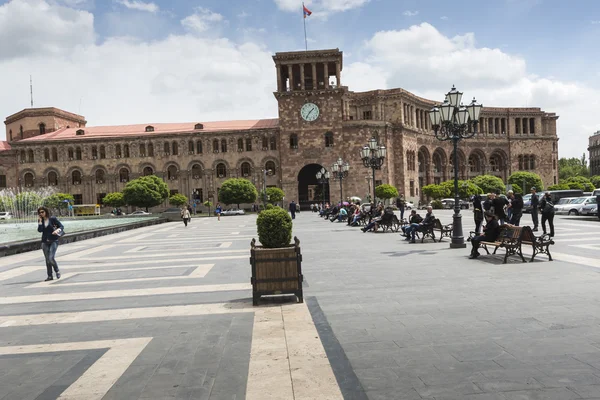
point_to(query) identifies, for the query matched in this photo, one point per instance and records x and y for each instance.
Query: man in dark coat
(547, 208)
(400, 204)
(293, 209)
(491, 231)
(534, 209)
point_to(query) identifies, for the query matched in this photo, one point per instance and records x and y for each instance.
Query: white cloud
(409, 13)
(201, 20)
(443, 17)
(139, 5)
(320, 6)
(595, 22)
(428, 63)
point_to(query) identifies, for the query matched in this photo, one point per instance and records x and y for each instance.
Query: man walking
(292, 208)
(534, 209)
(401, 204)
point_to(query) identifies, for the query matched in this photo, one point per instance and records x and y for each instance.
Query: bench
(388, 223)
(445, 230)
(512, 238)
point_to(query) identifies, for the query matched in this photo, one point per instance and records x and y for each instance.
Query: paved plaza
(165, 312)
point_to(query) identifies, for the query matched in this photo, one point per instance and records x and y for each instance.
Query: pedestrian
(534, 209)
(517, 209)
(185, 215)
(498, 204)
(51, 230)
(510, 195)
(400, 203)
(491, 231)
(547, 208)
(477, 213)
(292, 207)
(218, 211)
(189, 208)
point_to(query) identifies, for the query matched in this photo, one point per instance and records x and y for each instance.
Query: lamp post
(265, 173)
(340, 172)
(323, 179)
(453, 121)
(372, 156)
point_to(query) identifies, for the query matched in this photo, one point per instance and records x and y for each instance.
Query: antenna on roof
(31, 89)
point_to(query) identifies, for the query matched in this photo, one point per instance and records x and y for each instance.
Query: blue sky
(135, 61)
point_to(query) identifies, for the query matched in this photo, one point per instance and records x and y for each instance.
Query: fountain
(23, 205)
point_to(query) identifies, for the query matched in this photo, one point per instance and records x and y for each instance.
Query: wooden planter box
(276, 271)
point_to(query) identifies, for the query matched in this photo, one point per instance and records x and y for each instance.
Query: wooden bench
(512, 238)
(445, 230)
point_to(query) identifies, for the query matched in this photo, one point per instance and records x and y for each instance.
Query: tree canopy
(178, 200)
(579, 182)
(386, 191)
(237, 191)
(595, 180)
(572, 167)
(114, 199)
(147, 191)
(275, 195)
(527, 179)
(466, 189)
(435, 191)
(489, 183)
(57, 200)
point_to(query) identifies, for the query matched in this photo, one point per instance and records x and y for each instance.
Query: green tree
(571, 167)
(595, 180)
(489, 183)
(178, 200)
(528, 179)
(435, 191)
(559, 186)
(236, 191)
(147, 191)
(274, 194)
(207, 204)
(386, 191)
(114, 199)
(516, 188)
(57, 201)
(465, 188)
(588, 186)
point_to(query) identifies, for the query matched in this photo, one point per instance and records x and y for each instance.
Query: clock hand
(310, 112)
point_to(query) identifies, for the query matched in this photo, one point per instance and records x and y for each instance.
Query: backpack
(548, 207)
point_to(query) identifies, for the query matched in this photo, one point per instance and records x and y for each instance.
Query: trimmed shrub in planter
(437, 205)
(274, 228)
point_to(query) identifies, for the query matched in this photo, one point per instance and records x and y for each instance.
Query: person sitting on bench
(377, 214)
(413, 219)
(491, 231)
(428, 221)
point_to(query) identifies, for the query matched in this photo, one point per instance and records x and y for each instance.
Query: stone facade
(53, 147)
(594, 149)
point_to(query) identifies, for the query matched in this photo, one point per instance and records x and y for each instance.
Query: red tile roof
(4, 145)
(98, 132)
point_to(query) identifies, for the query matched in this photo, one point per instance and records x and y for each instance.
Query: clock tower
(311, 113)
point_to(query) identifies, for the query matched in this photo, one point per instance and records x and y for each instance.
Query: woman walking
(51, 230)
(218, 211)
(185, 215)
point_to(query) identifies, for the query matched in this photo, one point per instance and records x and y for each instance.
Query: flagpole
(304, 18)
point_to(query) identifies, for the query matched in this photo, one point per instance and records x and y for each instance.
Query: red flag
(307, 12)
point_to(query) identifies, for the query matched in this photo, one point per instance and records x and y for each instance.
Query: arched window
(46, 155)
(293, 141)
(329, 139)
(248, 144)
(149, 128)
(221, 170)
(23, 156)
(148, 171)
(223, 146)
(52, 178)
(172, 173)
(167, 148)
(70, 154)
(124, 175)
(42, 127)
(245, 169)
(175, 148)
(126, 151)
(190, 147)
(78, 153)
(30, 156)
(273, 143)
(142, 150)
(196, 171)
(99, 176)
(94, 152)
(265, 143)
(270, 166)
(76, 178)
(102, 152)
(240, 146)
(531, 162)
(150, 150)
(28, 178)
(199, 147)
(520, 163)
(54, 154)
(118, 151)
(215, 146)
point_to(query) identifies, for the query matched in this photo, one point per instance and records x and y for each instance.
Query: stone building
(319, 121)
(594, 149)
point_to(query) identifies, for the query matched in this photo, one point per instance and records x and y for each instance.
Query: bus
(80, 210)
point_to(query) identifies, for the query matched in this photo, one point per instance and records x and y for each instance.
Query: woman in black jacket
(51, 230)
(517, 209)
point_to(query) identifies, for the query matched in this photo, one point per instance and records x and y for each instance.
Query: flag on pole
(307, 12)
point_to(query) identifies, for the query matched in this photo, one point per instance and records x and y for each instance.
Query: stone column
(291, 80)
(302, 86)
(279, 88)
(338, 74)
(314, 76)
(326, 75)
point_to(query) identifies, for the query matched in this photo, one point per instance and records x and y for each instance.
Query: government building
(319, 120)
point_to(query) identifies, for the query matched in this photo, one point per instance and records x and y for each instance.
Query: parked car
(140, 212)
(449, 204)
(409, 205)
(574, 207)
(172, 214)
(5, 215)
(233, 211)
(563, 203)
(591, 208)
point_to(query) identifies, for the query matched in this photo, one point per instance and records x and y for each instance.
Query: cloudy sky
(140, 61)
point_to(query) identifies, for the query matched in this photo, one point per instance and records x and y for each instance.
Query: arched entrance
(309, 188)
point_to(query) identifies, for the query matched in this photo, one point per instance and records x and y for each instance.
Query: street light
(453, 121)
(372, 156)
(323, 179)
(266, 172)
(340, 172)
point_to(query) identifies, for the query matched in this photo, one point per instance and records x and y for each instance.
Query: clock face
(309, 112)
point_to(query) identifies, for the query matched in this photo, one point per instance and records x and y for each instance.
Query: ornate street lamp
(372, 156)
(323, 179)
(453, 121)
(266, 172)
(340, 172)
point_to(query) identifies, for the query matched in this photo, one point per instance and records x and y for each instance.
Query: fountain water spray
(23, 204)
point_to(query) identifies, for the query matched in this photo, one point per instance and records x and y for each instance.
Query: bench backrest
(527, 234)
(437, 224)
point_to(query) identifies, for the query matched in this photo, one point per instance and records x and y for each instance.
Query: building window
(199, 195)
(518, 126)
(367, 115)
(78, 199)
(198, 126)
(142, 150)
(215, 146)
(240, 144)
(42, 127)
(10, 135)
(172, 173)
(118, 151)
(167, 149)
(148, 171)
(265, 143)
(149, 128)
(150, 150)
(123, 175)
(190, 147)
(78, 153)
(245, 169)
(293, 141)
(52, 178)
(46, 155)
(199, 147)
(329, 139)
(99, 176)
(221, 170)
(2, 181)
(520, 163)
(248, 144)
(412, 188)
(76, 178)
(102, 152)
(270, 166)
(94, 152)
(21, 132)
(70, 154)
(28, 178)
(410, 161)
(100, 198)
(126, 151)
(30, 156)
(196, 171)
(273, 143)
(54, 154)
(223, 146)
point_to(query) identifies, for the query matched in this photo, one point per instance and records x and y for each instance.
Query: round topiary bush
(274, 228)
(437, 205)
(269, 206)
